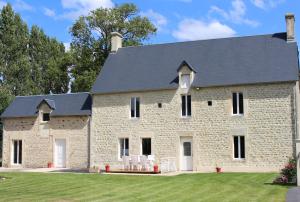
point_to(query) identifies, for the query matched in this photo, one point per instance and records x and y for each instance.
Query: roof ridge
(53, 94)
(180, 42)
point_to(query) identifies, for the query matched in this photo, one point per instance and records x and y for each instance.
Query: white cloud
(22, 6)
(76, 8)
(67, 46)
(236, 14)
(158, 19)
(49, 12)
(2, 3)
(192, 29)
(265, 4)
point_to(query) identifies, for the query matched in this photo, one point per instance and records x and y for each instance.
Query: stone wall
(267, 125)
(38, 140)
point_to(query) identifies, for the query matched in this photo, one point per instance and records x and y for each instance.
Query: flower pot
(107, 168)
(155, 168)
(218, 169)
(50, 165)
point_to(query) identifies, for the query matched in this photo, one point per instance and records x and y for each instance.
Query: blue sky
(177, 20)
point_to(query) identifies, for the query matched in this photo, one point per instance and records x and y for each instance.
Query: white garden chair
(135, 162)
(144, 163)
(151, 159)
(126, 163)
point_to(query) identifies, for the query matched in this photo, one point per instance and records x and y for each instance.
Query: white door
(186, 154)
(60, 153)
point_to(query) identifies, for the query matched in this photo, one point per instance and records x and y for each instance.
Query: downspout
(296, 118)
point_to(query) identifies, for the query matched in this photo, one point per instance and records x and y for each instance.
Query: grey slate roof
(72, 104)
(50, 103)
(217, 62)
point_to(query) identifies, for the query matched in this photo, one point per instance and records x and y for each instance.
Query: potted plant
(107, 168)
(218, 169)
(155, 168)
(50, 165)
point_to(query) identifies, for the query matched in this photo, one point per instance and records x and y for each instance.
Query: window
(237, 104)
(186, 105)
(124, 147)
(46, 117)
(239, 147)
(135, 107)
(159, 105)
(17, 152)
(209, 103)
(187, 149)
(146, 146)
(185, 81)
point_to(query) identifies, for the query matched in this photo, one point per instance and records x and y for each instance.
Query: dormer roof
(50, 103)
(185, 64)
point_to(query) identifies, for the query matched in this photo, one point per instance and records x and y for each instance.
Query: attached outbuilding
(51, 130)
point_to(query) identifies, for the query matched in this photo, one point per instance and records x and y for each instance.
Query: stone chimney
(116, 41)
(290, 27)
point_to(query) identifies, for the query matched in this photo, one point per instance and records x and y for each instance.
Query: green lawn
(95, 187)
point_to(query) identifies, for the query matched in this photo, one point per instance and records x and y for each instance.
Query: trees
(91, 39)
(49, 63)
(30, 62)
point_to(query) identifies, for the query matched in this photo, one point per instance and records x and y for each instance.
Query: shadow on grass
(282, 185)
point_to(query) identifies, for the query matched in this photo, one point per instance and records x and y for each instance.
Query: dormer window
(185, 81)
(46, 117)
(186, 75)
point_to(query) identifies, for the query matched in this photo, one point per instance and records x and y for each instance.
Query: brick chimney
(116, 41)
(290, 27)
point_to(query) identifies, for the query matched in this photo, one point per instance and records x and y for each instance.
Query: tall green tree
(91, 39)
(15, 64)
(49, 63)
(30, 62)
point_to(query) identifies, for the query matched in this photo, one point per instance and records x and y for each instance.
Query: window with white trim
(46, 117)
(186, 105)
(123, 147)
(17, 152)
(135, 107)
(185, 81)
(237, 103)
(239, 147)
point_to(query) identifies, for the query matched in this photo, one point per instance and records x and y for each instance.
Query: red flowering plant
(288, 173)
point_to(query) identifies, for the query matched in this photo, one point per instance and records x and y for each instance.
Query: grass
(95, 187)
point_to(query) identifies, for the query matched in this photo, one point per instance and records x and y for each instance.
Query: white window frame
(119, 146)
(237, 104)
(18, 152)
(185, 81)
(135, 107)
(186, 106)
(239, 147)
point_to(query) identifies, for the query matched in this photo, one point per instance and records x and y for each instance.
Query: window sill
(44, 122)
(134, 118)
(239, 159)
(238, 115)
(186, 117)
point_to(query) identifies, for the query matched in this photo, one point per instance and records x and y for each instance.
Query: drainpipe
(296, 119)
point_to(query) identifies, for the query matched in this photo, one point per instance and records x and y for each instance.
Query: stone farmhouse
(231, 103)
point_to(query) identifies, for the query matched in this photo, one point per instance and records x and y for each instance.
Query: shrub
(288, 173)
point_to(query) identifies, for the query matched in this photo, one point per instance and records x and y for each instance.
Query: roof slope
(65, 105)
(217, 62)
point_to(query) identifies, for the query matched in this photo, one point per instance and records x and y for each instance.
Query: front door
(186, 154)
(60, 153)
